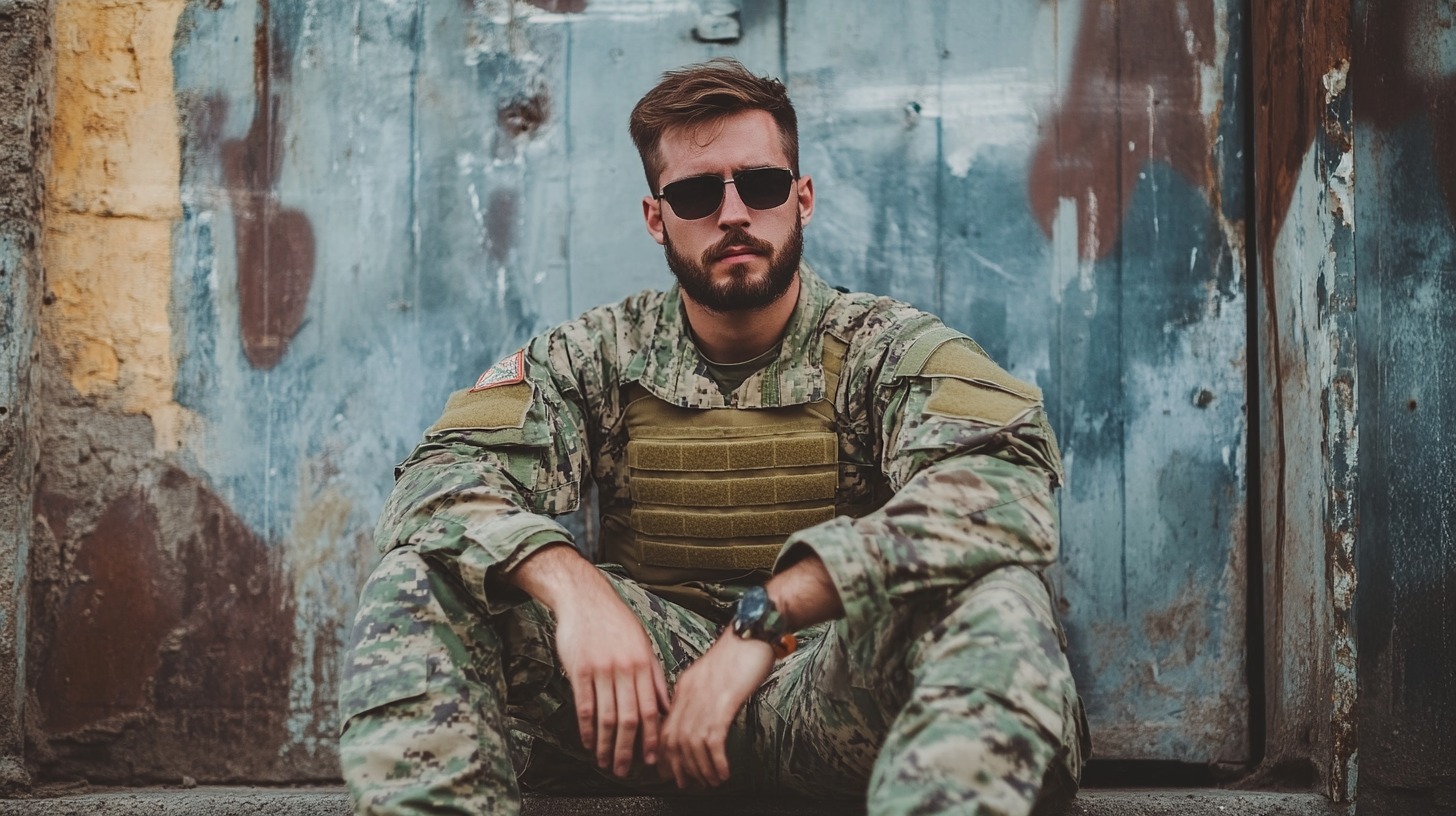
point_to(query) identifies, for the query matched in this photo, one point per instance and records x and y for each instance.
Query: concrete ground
(220, 801)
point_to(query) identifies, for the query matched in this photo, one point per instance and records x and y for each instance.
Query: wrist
(758, 618)
(561, 579)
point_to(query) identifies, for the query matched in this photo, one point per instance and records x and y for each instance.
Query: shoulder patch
(508, 371)
(472, 410)
(969, 385)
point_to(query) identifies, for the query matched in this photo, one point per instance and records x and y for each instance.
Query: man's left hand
(707, 698)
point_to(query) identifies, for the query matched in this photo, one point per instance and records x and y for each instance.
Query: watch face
(751, 609)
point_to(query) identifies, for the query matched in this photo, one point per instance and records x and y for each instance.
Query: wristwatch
(756, 617)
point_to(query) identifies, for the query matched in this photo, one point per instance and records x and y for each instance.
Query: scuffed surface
(373, 202)
(1405, 243)
(25, 112)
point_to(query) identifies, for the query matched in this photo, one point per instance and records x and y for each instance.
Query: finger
(671, 754)
(627, 721)
(702, 766)
(659, 682)
(586, 712)
(606, 720)
(718, 755)
(647, 710)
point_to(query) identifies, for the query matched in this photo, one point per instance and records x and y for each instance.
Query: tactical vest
(715, 492)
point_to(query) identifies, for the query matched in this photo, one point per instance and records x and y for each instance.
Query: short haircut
(700, 94)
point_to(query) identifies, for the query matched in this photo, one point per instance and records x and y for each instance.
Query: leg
(679, 636)
(443, 706)
(421, 702)
(993, 723)
(958, 703)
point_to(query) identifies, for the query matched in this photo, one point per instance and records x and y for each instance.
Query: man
(856, 492)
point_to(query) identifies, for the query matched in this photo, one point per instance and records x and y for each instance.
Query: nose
(732, 212)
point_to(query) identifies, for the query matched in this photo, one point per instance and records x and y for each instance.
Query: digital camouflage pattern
(944, 689)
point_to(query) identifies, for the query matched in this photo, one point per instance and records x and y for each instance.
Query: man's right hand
(615, 676)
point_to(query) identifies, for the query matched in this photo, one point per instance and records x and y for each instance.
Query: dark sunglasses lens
(694, 198)
(765, 188)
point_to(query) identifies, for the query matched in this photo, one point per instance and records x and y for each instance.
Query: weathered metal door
(381, 197)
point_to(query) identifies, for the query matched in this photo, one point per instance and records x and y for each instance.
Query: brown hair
(699, 94)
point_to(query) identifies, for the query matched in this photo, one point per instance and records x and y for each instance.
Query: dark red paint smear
(1389, 89)
(179, 626)
(275, 244)
(1296, 42)
(1125, 49)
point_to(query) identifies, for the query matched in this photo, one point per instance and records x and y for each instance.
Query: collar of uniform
(671, 369)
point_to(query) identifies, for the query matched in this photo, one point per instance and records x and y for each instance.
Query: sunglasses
(761, 188)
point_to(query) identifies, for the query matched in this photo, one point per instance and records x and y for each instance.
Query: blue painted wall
(379, 199)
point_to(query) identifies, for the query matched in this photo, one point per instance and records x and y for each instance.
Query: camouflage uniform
(945, 687)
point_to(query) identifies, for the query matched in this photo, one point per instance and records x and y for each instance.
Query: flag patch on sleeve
(509, 371)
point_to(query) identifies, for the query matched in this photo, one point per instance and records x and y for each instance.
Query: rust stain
(1178, 630)
(170, 644)
(112, 621)
(275, 244)
(1135, 97)
(522, 117)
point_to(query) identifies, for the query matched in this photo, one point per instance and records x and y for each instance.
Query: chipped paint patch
(1334, 81)
(1342, 189)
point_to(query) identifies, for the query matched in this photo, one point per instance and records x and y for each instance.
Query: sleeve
(479, 492)
(972, 463)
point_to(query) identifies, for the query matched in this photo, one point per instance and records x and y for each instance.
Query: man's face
(736, 258)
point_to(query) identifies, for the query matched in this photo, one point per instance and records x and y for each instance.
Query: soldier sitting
(824, 518)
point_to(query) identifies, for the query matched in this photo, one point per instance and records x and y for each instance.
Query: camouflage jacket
(480, 491)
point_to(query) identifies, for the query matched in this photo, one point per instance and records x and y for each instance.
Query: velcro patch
(969, 385)
(473, 411)
(509, 371)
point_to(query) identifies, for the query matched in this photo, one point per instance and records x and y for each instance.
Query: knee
(1001, 638)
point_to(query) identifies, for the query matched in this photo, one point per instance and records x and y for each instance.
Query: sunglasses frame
(661, 195)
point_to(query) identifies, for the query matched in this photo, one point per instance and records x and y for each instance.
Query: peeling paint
(1342, 189)
(1334, 81)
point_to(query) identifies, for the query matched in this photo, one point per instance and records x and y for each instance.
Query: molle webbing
(713, 494)
(699, 455)
(721, 489)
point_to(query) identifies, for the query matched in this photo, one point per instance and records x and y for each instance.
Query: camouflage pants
(961, 703)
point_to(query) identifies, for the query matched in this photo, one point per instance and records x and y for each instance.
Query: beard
(741, 292)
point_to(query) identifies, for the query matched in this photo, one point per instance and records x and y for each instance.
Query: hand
(617, 680)
(707, 698)
(615, 676)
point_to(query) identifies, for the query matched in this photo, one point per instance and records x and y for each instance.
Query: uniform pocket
(376, 686)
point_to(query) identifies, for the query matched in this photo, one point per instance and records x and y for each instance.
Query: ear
(652, 214)
(806, 198)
